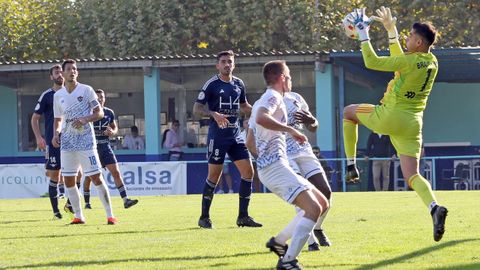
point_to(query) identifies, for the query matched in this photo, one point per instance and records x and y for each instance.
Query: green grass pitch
(383, 230)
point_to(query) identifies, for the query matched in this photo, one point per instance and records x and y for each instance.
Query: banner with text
(140, 178)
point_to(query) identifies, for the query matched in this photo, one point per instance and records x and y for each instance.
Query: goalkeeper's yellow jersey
(414, 76)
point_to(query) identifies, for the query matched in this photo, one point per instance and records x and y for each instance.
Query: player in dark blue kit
(104, 128)
(52, 155)
(225, 96)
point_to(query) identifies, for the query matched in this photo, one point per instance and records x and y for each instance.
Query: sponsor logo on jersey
(410, 94)
(272, 100)
(221, 91)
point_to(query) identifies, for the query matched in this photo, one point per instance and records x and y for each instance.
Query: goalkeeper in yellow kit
(401, 110)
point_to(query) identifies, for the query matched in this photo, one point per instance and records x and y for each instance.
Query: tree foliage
(45, 29)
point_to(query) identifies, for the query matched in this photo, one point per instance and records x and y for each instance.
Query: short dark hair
(223, 53)
(68, 61)
(56, 66)
(427, 31)
(98, 91)
(272, 70)
(134, 129)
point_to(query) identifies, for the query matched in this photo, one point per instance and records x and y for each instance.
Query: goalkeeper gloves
(388, 21)
(362, 23)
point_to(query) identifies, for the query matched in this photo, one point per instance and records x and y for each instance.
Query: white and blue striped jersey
(271, 144)
(294, 102)
(70, 106)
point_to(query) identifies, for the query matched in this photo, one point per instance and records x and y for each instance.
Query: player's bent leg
(421, 186)
(423, 189)
(324, 188)
(245, 191)
(278, 243)
(350, 113)
(307, 201)
(350, 138)
(117, 178)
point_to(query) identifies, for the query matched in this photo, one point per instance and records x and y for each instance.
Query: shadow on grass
(75, 234)
(418, 253)
(19, 221)
(473, 266)
(24, 211)
(176, 260)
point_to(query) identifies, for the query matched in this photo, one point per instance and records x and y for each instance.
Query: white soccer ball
(349, 27)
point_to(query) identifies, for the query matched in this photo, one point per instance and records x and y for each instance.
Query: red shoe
(77, 221)
(111, 221)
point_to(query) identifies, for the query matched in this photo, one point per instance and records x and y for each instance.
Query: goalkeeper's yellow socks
(350, 137)
(423, 189)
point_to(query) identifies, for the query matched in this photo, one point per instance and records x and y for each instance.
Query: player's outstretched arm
(389, 23)
(382, 63)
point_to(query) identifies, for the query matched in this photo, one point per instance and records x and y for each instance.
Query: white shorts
(308, 166)
(283, 181)
(293, 164)
(87, 160)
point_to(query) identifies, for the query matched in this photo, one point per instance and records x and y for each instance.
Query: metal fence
(443, 172)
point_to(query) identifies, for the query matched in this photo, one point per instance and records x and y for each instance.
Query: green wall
(8, 112)
(453, 114)
(355, 94)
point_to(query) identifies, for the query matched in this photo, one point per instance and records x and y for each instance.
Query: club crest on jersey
(237, 89)
(272, 100)
(201, 95)
(80, 98)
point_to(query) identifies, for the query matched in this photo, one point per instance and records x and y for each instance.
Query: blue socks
(244, 196)
(52, 193)
(207, 197)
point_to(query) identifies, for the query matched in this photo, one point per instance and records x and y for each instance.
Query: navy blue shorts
(52, 158)
(218, 147)
(106, 155)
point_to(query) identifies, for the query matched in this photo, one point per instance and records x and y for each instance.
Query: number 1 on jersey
(429, 73)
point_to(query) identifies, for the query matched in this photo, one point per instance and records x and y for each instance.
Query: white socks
(287, 232)
(105, 198)
(300, 235)
(74, 197)
(432, 205)
(350, 161)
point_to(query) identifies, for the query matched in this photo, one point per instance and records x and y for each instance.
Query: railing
(470, 171)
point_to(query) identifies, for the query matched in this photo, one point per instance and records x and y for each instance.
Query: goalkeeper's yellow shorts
(404, 128)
